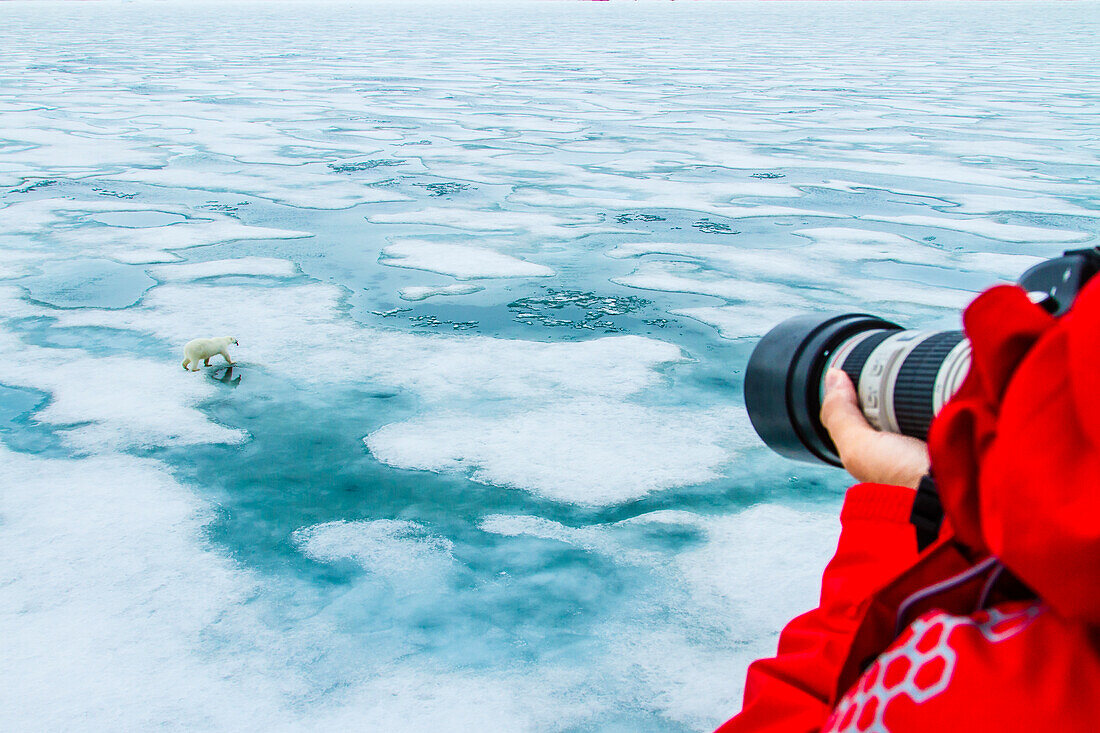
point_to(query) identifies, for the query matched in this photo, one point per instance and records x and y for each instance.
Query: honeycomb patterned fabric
(919, 666)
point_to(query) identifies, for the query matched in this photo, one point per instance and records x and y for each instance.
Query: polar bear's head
(230, 340)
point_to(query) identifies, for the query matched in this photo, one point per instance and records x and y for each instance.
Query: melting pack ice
(483, 462)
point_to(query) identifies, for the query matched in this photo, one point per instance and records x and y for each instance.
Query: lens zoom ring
(853, 365)
(914, 388)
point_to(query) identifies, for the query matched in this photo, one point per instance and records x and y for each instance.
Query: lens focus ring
(914, 390)
(853, 365)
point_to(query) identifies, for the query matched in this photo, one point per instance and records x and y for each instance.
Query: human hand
(868, 454)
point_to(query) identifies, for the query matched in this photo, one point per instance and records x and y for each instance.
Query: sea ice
(113, 403)
(51, 227)
(149, 585)
(111, 587)
(742, 320)
(330, 348)
(720, 617)
(246, 266)
(987, 228)
(391, 548)
(87, 282)
(592, 456)
(589, 451)
(537, 224)
(684, 201)
(972, 203)
(461, 261)
(423, 292)
(683, 277)
(296, 185)
(845, 244)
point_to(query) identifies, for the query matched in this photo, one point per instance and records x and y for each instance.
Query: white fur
(198, 350)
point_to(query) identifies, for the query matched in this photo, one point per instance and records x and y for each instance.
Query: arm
(793, 690)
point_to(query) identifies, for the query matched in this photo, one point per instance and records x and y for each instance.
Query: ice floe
(56, 228)
(534, 223)
(111, 587)
(743, 320)
(114, 403)
(296, 185)
(390, 548)
(462, 261)
(241, 266)
(775, 283)
(686, 201)
(590, 451)
(423, 292)
(987, 228)
(87, 282)
(973, 203)
(684, 277)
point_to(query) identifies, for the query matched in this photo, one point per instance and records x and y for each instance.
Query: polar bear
(198, 350)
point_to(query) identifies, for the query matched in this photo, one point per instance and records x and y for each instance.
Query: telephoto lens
(902, 378)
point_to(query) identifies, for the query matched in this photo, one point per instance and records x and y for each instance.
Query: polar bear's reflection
(226, 377)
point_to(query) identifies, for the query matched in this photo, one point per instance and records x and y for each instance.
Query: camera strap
(927, 513)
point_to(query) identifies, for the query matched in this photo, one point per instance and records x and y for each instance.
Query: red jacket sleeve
(791, 692)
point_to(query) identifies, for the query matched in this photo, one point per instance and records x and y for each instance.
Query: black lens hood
(783, 378)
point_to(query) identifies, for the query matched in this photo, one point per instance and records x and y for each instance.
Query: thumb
(840, 413)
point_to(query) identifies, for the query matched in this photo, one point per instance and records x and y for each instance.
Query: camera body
(903, 378)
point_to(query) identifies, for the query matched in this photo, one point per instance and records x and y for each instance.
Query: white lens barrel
(955, 368)
(880, 376)
(906, 378)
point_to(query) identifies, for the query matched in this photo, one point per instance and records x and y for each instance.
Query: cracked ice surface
(482, 462)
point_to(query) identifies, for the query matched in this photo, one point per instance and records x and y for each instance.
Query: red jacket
(996, 626)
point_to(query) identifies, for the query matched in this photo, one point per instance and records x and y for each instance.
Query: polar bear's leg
(207, 362)
(225, 353)
(195, 366)
(186, 361)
